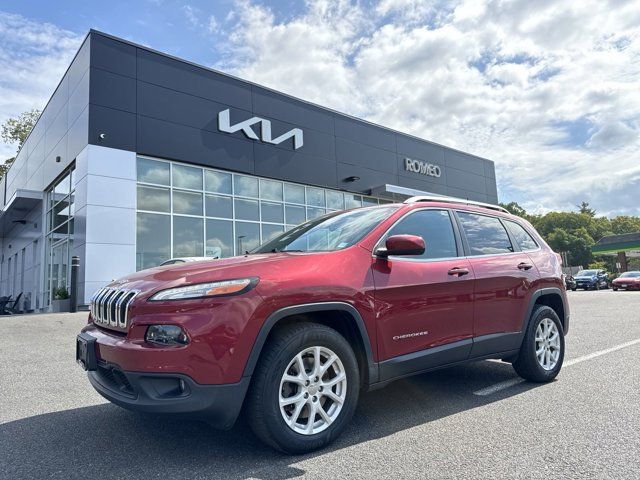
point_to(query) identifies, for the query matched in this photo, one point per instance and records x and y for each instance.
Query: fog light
(166, 335)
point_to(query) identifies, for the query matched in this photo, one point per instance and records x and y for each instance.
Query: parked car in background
(175, 261)
(570, 283)
(627, 281)
(291, 333)
(592, 279)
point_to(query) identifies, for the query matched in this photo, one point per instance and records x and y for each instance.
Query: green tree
(625, 224)
(584, 208)
(16, 130)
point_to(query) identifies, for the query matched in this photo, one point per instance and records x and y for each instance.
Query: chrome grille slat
(110, 307)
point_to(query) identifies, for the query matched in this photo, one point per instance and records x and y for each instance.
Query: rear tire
(542, 351)
(315, 365)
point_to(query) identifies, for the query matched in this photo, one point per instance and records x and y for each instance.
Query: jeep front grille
(110, 307)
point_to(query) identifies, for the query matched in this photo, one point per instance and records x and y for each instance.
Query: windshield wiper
(276, 250)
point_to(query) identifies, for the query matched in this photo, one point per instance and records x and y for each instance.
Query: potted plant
(61, 302)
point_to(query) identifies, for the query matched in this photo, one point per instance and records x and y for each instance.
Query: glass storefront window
(295, 214)
(187, 177)
(153, 171)
(154, 199)
(335, 200)
(59, 236)
(247, 236)
(272, 212)
(247, 209)
(293, 193)
(270, 190)
(153, 239)
(219, 238)
(315, 197)
(190, 211)
(217, 182)
(188, 237)
(245, 186)
(271, 231)
(218, 206)
(187, 203)
(313, 212)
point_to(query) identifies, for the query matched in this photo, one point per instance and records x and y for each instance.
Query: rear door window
(522, 237)
(435, 228)
(485, 234)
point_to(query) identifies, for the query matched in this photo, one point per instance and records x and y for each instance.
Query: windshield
(587, 273)
(630, 275)
(330, 232)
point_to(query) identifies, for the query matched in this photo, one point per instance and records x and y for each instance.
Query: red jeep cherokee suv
(293, 331)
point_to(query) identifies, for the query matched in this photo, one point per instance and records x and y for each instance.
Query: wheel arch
(551, 297)
(341, 316)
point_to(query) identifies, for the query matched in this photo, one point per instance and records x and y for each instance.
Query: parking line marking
(515, 381)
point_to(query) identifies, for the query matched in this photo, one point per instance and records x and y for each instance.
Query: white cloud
(493, 78)
(33, 59)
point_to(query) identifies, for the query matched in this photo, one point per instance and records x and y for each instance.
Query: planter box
(61, 305)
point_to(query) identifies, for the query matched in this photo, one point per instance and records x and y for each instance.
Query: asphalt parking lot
(476, 421)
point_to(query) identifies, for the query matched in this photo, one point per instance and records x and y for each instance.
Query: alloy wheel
(313, 390)
(547, 344)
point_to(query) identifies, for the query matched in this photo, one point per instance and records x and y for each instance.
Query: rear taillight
(559, 257)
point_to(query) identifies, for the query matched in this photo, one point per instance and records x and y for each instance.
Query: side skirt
(501, 345)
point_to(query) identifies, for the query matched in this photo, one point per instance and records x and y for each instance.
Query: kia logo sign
(411, 165)
(224, 125)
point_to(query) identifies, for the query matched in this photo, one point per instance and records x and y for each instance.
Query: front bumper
(170, 393)
(627, 286)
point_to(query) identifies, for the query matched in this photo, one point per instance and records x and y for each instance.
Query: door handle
(524, 266)
(458, 272)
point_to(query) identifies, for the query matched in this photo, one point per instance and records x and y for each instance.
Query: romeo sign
(411, 165)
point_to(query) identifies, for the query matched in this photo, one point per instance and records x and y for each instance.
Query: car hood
(257, 265)
(627, 279)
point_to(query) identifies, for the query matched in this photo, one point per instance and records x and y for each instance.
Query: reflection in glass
(188, 237)
(187, 177)
(352, 201)
(188, 203)
(245, 186)
(155, 199)
(152, 171)
(247, 237)
(218, 206)
(271, 231)
(335, 200)
(270, 190)
(272, 212)
(219, 238)
(217, 182)
(63, 187)
(293, 193)
(313, 212)
(153, 240)
(295, 214)
(247, 209)
(315, 197)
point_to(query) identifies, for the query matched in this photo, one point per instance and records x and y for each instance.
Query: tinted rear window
(522, 237)
(485, 234)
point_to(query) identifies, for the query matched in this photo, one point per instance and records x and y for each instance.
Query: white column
(105, 216)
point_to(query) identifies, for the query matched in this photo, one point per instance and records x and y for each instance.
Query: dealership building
(139, 157)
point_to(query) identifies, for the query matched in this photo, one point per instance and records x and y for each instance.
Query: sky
(549, 90)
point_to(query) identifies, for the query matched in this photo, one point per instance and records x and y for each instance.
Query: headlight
(166, 335)
(203, 290)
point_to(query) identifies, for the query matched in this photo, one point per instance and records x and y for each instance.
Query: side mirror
(401, 245)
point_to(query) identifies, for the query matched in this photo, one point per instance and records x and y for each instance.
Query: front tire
(542, 351)
(305, 388)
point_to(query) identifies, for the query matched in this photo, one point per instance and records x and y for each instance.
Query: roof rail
(445, 199)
